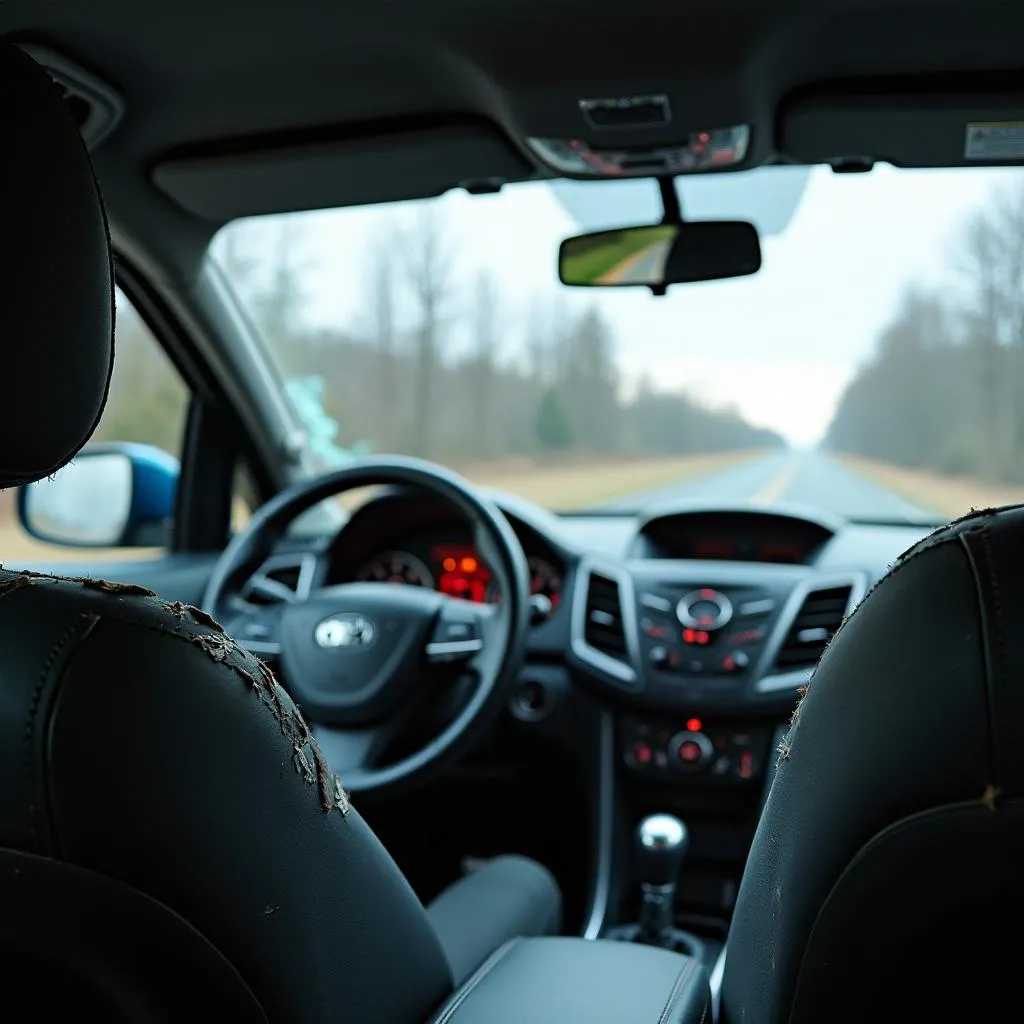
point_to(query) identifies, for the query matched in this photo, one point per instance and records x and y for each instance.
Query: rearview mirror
(659, 255)
(109, 495)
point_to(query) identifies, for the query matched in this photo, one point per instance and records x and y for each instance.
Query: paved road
(644, 267)
(806, 478)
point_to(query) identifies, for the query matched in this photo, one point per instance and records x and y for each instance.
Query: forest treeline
(442, 365)
(944, 388)
(436, 363)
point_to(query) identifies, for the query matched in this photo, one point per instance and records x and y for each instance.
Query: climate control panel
(705, 631)
(726, 752)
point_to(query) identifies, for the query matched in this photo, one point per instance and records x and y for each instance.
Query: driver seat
(171, 838)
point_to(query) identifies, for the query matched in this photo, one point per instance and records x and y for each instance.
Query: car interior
(294, 730)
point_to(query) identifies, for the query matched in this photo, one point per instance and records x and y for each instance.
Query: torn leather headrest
(56, 281)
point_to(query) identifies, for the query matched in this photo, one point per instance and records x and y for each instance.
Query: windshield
(873, 367)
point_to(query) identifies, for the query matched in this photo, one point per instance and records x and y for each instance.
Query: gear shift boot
(674, 938)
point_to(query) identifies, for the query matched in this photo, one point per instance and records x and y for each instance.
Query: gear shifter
(661, 844)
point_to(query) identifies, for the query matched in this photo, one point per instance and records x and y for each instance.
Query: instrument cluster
(455, 568)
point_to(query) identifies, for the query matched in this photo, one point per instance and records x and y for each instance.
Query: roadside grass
(592, 263)
(565, 487)
(945, 495)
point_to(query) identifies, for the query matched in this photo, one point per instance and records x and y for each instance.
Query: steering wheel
(367, 662)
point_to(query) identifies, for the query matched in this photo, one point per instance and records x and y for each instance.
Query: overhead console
(738, 535)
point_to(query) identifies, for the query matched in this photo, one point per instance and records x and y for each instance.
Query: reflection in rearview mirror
(661, 254)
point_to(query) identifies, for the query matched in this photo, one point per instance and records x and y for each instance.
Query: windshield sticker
(995, 140)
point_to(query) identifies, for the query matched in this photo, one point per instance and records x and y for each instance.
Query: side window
(147, 404)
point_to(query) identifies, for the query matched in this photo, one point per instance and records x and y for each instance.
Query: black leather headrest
(56, 278)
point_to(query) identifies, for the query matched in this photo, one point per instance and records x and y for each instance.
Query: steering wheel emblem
(348, 630)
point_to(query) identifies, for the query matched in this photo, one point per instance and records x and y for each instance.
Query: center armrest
(580, 981)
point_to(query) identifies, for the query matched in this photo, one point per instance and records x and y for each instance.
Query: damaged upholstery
(171, 841)
(885, 878)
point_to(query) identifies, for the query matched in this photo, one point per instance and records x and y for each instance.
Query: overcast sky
(779, 345)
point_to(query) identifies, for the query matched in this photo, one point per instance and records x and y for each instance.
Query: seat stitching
(677, 989)
(83, 624)
(1001, 682)
(975, 555)
(482, 972)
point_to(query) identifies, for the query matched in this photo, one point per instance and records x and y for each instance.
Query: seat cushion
(506, 898)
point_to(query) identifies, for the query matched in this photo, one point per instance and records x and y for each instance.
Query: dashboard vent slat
(820, 616)
(604, 629)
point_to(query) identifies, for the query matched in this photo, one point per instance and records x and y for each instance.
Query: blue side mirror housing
(116, 494)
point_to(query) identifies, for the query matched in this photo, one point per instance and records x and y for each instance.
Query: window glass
(147, 404)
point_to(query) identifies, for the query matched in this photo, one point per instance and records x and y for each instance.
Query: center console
(703, 661)
(577, 981)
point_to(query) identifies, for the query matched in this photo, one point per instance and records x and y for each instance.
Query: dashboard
(418, 541)
(445, 561)
(732, 536)
(696, 613)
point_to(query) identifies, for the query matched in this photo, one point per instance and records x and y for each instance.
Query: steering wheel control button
(692, 750)
(449, 631)
(455, 639)
(704, 609)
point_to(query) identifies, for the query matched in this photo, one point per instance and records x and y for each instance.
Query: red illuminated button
(690, 752)
(746, 768)
(642, 752)
(653, 629)
(737, 661)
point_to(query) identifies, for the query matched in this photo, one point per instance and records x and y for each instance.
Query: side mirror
(658, 255)
(109, 495)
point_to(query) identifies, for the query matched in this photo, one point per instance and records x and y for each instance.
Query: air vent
(96, 107)
(283, 578)
(604, 630)
(820, 615)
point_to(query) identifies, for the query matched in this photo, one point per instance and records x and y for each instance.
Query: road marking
(772, 491)
(621, 270)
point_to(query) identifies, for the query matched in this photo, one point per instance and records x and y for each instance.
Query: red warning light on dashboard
(696, 636)
(463, 574)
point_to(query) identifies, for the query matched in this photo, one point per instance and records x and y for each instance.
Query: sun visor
(351, 172)
(903, 128)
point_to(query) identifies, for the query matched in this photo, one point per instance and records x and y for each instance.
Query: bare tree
(235, 256)
(486, 345)
(384, 338)
(283, 292)
(992, 267)
(429, 266)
